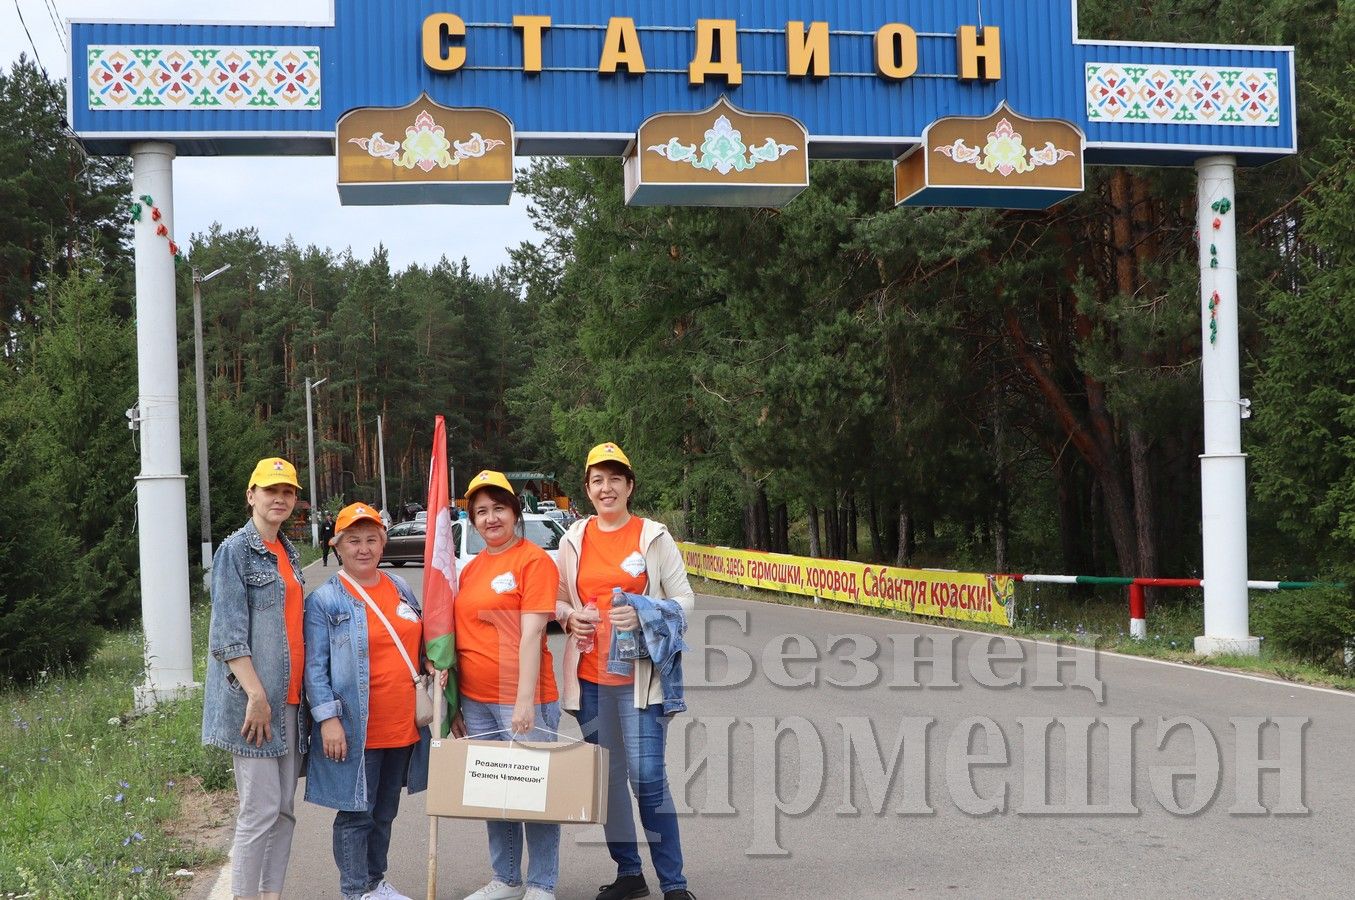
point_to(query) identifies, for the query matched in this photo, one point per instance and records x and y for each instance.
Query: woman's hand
(258, 726)
(442, 679)
(333, 739)
(524, 717)
(624, 618)
(458, 725)
(583, 622)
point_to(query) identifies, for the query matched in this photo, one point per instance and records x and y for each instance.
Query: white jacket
(666, 575)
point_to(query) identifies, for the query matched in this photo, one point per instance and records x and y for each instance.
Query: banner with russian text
(963, 596)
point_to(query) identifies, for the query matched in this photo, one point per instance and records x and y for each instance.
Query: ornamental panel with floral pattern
(1172, 95)
(185, 77)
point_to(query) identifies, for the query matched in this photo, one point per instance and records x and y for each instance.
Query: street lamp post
(204, 497)
(310, 450)
(381, 462)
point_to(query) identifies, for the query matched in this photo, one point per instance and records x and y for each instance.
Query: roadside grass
(1099, 619)
(89, 792)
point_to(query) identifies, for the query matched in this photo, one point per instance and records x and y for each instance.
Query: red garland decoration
(136, 208)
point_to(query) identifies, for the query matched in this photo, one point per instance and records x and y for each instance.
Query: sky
(279, 196)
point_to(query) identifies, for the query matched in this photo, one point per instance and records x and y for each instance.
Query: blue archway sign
(214, 89)
(979, 102)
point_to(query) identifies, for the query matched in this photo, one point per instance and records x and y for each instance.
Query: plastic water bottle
(588, 642)
(626, 645)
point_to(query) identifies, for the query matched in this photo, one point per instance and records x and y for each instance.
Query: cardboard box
(525, 781)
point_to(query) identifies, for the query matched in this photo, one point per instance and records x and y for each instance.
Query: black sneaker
(625, 887)
(680, 894)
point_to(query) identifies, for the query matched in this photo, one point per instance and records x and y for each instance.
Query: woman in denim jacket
(253, 706)
(361, 694)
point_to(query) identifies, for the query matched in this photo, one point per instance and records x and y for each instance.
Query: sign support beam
(162, 506)
(1223, 465)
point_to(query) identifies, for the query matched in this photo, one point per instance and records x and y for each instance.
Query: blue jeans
(491, 722)
(361, 839)
(635, 740)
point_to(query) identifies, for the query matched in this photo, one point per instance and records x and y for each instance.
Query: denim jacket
(247, 620)
(662, 623)
(338, 676)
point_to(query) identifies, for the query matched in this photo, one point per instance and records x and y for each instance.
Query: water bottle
(627, 647)
(588, 642)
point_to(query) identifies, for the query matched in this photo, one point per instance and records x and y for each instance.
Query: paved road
(738, 844)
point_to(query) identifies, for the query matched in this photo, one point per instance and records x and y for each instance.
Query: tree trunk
(761, 521)
(687, 506)
(780, 529)
(852, 548)
(904, 554)
(1072, 534)
(877, 542)
(1094, 442)
(832, 526)
(1145, 522)
(815, 549)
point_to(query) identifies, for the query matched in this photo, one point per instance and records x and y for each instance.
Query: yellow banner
(963, 596)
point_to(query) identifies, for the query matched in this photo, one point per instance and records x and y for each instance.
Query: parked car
(558, 515)
(545, 506)
(421, 516)
(539, 528)
(404, 543)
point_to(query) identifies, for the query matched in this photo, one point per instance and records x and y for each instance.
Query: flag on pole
(439, 574)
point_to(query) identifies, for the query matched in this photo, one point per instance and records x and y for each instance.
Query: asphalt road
(769, 814)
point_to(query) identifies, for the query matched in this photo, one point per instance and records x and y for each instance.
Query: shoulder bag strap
(413, 672)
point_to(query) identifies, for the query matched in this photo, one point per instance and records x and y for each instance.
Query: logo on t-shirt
(634, 565)
(406, 612)
(504, 583)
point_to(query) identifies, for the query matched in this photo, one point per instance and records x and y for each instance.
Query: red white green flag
(439, 572)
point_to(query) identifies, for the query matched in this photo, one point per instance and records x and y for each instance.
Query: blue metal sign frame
(369, 53)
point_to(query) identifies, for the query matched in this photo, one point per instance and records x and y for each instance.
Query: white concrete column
(162, 507)
(1223, 465)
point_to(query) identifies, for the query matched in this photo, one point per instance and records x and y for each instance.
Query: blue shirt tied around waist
(662, 624)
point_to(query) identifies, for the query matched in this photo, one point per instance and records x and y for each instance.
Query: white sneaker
(497, 890)
(384, 891)
(536, 893)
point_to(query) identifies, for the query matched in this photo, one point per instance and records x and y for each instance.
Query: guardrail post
(1138, 617)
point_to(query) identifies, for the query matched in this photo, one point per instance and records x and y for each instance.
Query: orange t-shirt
(494, 591)
(292, 614)
(609, 559)
(390, 687)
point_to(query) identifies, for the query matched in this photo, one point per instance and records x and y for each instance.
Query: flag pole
(433, 820)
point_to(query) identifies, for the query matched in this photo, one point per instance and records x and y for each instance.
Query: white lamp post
(204, 498)
(310, 451)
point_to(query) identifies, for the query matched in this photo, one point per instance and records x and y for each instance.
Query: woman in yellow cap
(626, 708)
(505, 598)
(252, 703)
(365, 631)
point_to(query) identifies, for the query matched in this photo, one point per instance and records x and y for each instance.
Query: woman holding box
(627, 713)
(506, 595)
(366, 634)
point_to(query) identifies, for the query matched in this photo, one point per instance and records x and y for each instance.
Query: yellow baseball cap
(352, 514)
(607, 452)
(274, 470)
(489, 478)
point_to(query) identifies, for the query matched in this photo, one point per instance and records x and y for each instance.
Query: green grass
(89, 789)
(1099, 618)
